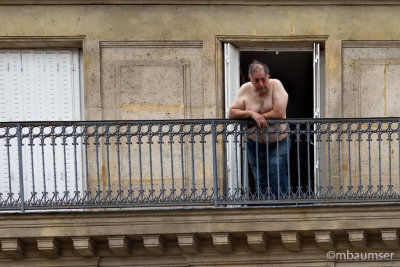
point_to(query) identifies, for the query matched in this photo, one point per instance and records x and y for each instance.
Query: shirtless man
(260, 99)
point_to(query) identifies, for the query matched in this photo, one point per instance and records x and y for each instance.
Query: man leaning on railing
(260, 99)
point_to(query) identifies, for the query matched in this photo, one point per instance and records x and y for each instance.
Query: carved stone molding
(84, 246)
(188, 243)
(178, 243)
(48, 246)
(152, 79)
(41, 41)
(390, 238)
(291, 240)
(119, 245)
(155, 244)
(222, 242)
(358, 239)
(12, 247)
(370, 78)
(257, 241)
(370, 44)
(152, 44)
(325, 239)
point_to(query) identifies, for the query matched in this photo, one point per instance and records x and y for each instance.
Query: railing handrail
(188, 121)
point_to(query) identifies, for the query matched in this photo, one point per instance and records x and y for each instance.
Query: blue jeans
(274, 164)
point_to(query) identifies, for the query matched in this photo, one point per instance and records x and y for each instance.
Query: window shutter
(40, 85)
(12, 96)
(65, 85)
(4, 92)
(51, 86)
(4, 113)
(232, 84)
(40, 89)
(15, 86)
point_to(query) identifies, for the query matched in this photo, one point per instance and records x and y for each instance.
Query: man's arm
(279, 100)
(237, 113)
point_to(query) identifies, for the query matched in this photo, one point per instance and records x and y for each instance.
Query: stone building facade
(164, 59)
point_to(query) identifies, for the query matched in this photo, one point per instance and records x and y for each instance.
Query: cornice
(203, 2)
(41, 41)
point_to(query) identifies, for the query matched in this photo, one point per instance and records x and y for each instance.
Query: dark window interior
(294, 70)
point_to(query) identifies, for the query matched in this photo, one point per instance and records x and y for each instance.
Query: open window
(298, 67)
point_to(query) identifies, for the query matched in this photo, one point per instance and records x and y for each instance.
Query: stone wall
(164, 61)
(200, 23)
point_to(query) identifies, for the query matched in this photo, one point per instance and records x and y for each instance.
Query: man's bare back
(260, 99)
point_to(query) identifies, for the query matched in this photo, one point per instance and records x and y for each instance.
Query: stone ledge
(161, 221)
(157, 231)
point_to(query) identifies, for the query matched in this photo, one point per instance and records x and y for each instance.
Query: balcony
(133, 164)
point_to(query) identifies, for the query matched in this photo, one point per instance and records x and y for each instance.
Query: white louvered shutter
(4, 184)
(4, 88)
(8, 65)
(40, 85)
(39, 72)
(15, 112)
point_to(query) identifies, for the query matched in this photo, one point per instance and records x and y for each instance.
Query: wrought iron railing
(113, 164)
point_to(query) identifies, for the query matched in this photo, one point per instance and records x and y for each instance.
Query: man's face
(259, 80)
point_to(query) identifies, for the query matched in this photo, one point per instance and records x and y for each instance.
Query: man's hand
(260, 120)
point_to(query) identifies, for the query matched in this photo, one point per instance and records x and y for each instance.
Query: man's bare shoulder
(277, 89)
(275, 82)
(245, 88)
(276, 85)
